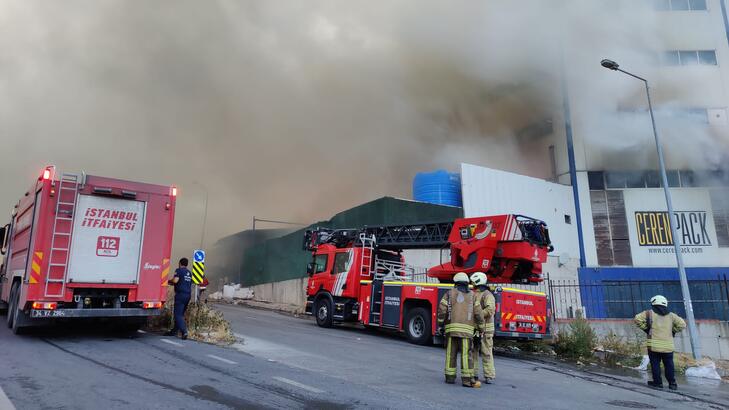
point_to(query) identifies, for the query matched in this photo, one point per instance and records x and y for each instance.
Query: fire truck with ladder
(83, 246)
(361, 276)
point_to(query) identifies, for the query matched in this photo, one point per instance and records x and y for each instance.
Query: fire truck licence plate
(524, 324)
(47, 313)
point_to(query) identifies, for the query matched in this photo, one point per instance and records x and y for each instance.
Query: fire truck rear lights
(174, 191)
(46, 174)
(152, 305)
(45, 305)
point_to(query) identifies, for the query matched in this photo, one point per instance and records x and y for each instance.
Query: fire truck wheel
(323, 312)
(418, 326)
(13, 312)
(11, 304)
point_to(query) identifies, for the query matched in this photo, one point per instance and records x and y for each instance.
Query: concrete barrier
(291, 292)
(713, 334)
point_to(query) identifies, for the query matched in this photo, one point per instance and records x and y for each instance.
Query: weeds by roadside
(616, 351)
(208, 325)
(578, 341)
(203, 323)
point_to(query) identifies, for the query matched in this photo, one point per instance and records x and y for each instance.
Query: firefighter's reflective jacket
(487, 302)
(660, 329)
(461, 314)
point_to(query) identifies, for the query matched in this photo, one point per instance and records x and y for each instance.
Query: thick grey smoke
(295, 110)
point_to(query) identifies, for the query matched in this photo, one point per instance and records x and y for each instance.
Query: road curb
(297, 313)
(566, 366)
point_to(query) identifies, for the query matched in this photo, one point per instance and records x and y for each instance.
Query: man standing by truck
(660, 326)
(183, 289)
(461, 314)
(485, 348)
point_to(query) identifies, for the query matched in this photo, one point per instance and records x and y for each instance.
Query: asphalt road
(282, 362)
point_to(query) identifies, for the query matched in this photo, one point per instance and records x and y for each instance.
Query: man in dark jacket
(183, 289)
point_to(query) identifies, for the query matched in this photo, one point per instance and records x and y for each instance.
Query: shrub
(203, 323)
(578, 341)
(621, 350)
(207, 324)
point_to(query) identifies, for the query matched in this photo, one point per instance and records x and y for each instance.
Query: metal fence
(625, 299)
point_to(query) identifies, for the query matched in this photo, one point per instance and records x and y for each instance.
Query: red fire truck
(82, 246)
(360, 275)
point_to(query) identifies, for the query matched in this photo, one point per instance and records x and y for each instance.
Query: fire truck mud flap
(71, 313)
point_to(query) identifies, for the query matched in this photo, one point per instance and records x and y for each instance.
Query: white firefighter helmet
(659, 300)
(479, 279)
(460, 277)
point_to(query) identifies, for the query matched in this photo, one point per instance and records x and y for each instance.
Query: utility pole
(693, 331)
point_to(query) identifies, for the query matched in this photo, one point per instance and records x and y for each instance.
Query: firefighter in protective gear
(459, 311)
(660, 326)
(485, 349)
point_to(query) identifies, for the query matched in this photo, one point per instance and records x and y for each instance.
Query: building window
(653, 179)
(596, 180)
(689, 57)
(599, 181)
(680, 5)
(670, 58)
(688, 179)
(635, 179)
(697, 4)
(707, 57)
(673, 179)
(615, 180)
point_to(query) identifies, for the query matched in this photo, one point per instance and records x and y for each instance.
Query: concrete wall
(713, 334)
(291, 292)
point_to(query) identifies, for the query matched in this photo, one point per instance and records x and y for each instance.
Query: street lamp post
(205, 214)
(202, 234)
(693, 333)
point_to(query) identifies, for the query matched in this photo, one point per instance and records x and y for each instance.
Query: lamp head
(609, 64)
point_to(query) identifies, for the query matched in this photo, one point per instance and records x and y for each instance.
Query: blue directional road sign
(198, 266)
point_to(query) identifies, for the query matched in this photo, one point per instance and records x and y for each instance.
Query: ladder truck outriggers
(361, 276)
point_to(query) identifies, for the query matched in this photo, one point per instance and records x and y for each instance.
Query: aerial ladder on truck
(360, 275)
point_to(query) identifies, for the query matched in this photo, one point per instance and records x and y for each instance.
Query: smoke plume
(295, 110)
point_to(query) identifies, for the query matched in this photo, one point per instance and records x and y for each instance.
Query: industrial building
(611, 229)
(595, 183)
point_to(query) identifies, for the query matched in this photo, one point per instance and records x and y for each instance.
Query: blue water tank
(438, 187)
